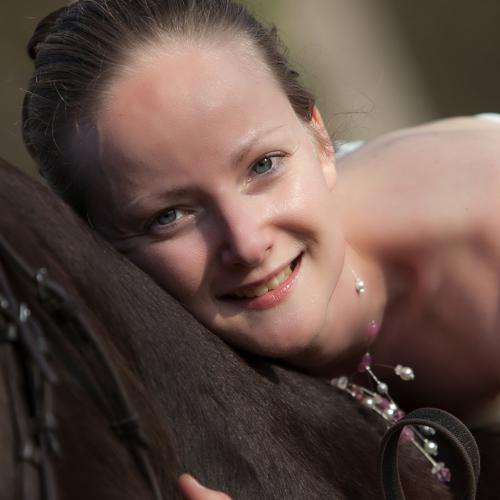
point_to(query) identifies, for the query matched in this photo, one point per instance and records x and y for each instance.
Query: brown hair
(77, 49)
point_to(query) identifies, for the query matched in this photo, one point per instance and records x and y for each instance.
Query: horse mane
(242, 424)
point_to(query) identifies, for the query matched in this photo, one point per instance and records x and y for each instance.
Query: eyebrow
(249, 143)
(246, 145)
(164, 195)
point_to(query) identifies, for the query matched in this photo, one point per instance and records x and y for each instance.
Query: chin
(288, 332)
(278, 344)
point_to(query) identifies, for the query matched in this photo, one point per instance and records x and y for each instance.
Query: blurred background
(375, 65)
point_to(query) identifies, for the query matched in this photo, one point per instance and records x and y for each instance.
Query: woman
(179, 131)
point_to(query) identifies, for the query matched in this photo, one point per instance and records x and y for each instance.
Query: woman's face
(209, 182)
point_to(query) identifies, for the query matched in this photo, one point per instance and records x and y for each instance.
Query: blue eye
(264, 165)
(167, 217)
(170, 221)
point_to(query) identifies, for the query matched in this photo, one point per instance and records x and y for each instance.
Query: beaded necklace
(379, 400)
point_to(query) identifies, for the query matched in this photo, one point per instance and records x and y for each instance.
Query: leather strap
(26, 341)
(465, 466)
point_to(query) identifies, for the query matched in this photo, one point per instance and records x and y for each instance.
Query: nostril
(247, 251)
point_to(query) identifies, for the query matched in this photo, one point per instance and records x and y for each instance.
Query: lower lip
(273, 297)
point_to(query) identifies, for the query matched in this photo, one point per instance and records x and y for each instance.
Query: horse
(246, 425)
(61, 398)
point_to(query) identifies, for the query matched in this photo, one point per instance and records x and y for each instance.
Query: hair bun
(42, 31)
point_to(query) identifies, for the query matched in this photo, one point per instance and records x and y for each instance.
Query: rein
(29, 379)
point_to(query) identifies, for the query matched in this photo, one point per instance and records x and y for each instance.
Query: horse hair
(242, 424)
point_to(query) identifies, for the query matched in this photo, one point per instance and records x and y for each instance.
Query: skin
(211, 183)
(234, 226)
(446, 320)
(193, 490)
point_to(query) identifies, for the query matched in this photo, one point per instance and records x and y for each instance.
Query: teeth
(274, 283)
(264, 288)
(261, 290)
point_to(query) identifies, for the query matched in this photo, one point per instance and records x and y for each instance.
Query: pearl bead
(404, 372)
(342, 383)
(430, 447)
(382, 388)
(427, 430)
(360, 286)
(389, 412)
(369, 402)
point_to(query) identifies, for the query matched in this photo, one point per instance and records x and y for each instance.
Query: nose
(246, 237)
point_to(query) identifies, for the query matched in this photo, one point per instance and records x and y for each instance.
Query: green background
(375, 65)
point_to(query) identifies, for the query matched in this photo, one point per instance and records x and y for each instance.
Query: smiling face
(210, 182)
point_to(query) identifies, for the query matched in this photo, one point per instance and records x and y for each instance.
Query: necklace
(378, 399)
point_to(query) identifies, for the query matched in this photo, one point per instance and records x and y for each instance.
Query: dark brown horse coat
(240, 424)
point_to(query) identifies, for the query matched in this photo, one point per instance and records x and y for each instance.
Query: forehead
(186, 98)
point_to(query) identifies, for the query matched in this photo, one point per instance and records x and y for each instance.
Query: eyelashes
(267, 164)
(168, 219)
(172, 219)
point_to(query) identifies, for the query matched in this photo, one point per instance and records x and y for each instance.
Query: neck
(353, 318)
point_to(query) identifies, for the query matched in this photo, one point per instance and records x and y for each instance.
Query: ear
(325, 147)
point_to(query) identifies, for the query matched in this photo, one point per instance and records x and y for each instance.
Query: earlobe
(325, 147)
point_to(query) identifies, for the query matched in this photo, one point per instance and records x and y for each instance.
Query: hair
(78, 49)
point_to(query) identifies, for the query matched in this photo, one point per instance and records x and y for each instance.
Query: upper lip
(259, 282)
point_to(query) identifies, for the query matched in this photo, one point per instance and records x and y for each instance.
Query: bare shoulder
(467, 151)
(464, 139)
(488, 122)
(425, 180)
(464, 151)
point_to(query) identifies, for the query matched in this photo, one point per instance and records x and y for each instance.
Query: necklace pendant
(378, 400)
(360, 286)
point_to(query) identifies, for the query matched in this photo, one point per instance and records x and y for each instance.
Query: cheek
(313, 212)
(307, 202)
(178, 267)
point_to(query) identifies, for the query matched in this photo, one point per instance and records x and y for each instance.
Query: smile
(268, 293)
(260, 290)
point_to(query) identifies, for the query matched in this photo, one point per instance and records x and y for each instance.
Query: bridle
(29, 379)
